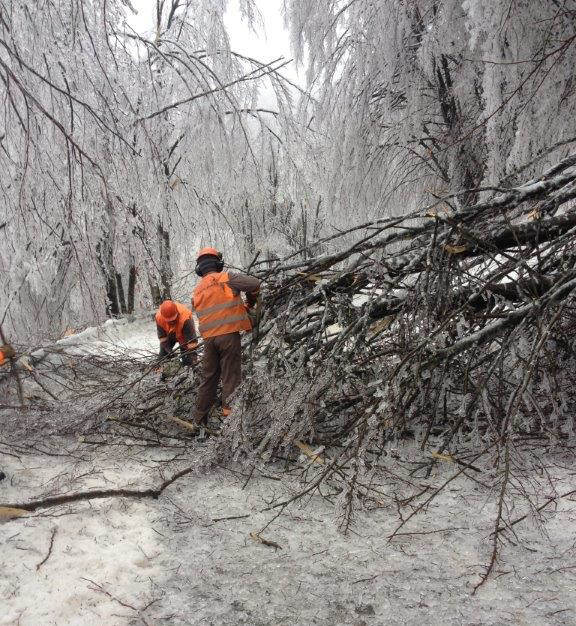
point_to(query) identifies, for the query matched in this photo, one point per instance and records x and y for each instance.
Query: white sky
(265, 46)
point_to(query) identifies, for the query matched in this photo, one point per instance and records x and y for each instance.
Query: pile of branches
(451, 328)
(450, 321)
(103, 397)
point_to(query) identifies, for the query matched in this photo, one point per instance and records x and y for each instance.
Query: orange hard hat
(168, 310)
(209, 252)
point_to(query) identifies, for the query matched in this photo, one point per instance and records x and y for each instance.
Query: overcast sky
(274, 42)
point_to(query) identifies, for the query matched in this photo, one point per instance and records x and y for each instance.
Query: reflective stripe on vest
(220, 322)
(216, 308)
(220, 311)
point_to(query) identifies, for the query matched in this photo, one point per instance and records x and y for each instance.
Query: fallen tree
(449, 328)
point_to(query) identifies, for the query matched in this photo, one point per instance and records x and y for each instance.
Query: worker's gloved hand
(189, 359)
(170, 369)
(8, 351)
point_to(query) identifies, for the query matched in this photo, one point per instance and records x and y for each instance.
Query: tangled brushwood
(451, 323)
(451, 328)
(444, 336)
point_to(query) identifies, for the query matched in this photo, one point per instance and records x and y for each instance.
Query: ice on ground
(136, 336)
(116, 335)
(125, 561)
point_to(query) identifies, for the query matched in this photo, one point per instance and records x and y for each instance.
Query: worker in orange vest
(222, 316)
(174, 324)
(6, 353)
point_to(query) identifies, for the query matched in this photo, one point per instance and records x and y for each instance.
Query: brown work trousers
(222, 359)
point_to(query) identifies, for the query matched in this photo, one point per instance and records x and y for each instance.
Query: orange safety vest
(184, 314)
(3, 359)
(219, 310)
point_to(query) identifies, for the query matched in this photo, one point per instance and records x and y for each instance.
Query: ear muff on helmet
(209, 262)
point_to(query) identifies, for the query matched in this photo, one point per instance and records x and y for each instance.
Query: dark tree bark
(165, 264)
(120, 293)
(132, 278)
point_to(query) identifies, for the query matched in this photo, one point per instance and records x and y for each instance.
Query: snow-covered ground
(136, 336)
(122, 561)
(166, 561)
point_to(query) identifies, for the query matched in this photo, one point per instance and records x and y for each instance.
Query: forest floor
(123, 561)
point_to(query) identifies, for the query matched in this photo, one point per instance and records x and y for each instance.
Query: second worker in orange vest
(174, 324)
(6, 353)
(222, 315)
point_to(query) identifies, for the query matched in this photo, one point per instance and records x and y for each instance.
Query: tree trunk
(120, 293)
(106, 263)
(165, 265)
(132, 277)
